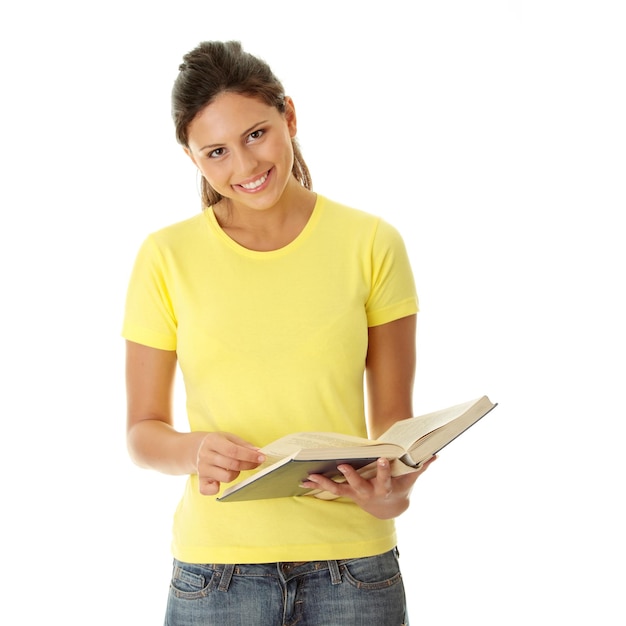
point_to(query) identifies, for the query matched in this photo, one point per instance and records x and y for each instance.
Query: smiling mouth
(255, 184)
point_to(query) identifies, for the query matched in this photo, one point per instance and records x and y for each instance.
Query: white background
(491, 133)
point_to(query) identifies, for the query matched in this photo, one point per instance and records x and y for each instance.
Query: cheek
(210, 172)
(284, 147)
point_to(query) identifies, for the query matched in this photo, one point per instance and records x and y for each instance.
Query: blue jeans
(352, 592)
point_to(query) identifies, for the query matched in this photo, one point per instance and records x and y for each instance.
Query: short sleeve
(149, 317)
(393, 294)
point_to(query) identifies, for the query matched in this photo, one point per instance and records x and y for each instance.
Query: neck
(267, 229)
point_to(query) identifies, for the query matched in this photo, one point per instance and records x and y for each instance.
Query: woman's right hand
(221, 457)
(153, 442)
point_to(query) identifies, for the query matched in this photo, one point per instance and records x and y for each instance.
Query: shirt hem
(263, 554)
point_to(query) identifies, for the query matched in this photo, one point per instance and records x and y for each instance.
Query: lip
(262, 186)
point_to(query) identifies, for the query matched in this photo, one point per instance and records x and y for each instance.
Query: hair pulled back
(215, 67)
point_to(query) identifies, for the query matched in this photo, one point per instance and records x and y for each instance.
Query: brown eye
(256, 134)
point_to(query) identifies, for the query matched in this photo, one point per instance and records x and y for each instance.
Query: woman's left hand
(383, 496)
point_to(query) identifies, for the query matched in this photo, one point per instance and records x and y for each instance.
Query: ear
(290, 117)
(190, 155)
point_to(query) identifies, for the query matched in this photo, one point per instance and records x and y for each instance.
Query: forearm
(390, 370)
(154, 444)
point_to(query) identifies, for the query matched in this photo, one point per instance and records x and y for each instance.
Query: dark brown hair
(212, 68)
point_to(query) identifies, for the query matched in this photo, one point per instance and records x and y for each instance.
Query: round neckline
(294, 243)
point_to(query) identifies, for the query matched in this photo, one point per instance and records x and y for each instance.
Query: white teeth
(256, 183)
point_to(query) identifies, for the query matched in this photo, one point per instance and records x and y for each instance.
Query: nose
(244, 162)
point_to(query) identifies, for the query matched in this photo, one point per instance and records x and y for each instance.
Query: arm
(390, 371)
(152, 440)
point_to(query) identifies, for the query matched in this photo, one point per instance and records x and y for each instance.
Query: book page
(406, 432)
(289, 444)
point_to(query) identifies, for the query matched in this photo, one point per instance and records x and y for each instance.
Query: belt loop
(335, 574)
(227, 574)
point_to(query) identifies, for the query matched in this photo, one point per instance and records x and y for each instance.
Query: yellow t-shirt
(271, 343)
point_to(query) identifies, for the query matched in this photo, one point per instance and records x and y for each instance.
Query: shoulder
(177, 239)
(161, 247)
(180, 233)
(340, 211)
(344, 216)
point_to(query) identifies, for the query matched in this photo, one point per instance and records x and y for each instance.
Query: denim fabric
(352, 592)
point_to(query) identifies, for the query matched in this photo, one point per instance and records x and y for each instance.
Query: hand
(383, 495)
(221, 457)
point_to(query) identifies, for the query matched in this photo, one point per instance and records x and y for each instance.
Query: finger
(208, 487)
(237, 448)
(384, 470)
(231, 464)
(213, 474)
(360, 485)
(228, 451)
(431, 460)
(382, 481)
(318, 481)
(427, 464)
(406, 481)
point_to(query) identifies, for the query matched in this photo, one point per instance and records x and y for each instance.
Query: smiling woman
(234, 158)
(211, 70)
(275, 302)
(243, 148)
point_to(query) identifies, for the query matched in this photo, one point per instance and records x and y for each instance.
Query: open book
(408, 444)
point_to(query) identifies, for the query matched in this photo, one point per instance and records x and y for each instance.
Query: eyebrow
(245, 132)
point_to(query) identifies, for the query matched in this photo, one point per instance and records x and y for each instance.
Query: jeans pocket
(374, 572)
(190, 581)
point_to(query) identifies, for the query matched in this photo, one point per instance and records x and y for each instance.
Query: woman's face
(243, 148)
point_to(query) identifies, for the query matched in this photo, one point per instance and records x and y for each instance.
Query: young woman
(274, 301)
